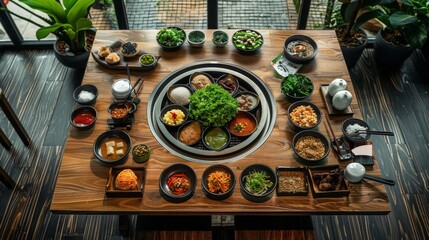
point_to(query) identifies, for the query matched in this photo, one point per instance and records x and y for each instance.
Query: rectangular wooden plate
(112, 191)
(282, 171)
(328, 101)
(317, 193)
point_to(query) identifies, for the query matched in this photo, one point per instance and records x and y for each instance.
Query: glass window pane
(3, 35)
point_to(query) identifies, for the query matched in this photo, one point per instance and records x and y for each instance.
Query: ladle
(355, 172)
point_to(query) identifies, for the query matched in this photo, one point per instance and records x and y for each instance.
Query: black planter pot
(76, 62)
(388, 54)
(352, 54)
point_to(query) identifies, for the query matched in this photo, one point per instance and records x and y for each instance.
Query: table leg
(10, 114)
(5, 141)
(6, 179)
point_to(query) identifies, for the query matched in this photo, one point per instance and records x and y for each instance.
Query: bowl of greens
(213, 106)
(257, 183)
(296, 87)
(220, 38)
(171, 38)
(247, 41)
(196, 38)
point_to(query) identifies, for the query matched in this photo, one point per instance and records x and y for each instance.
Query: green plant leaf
(415, 34)
(78, 11)
(401, 18)
(50, 7)
(377, 13)
(83, 24)
(351, 8)
(45, 31)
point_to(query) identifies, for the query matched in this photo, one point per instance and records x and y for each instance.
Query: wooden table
(82, 178)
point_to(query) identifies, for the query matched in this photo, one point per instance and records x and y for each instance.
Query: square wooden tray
(328, 101)
(282, 171)
(317, 193)
(112, 191)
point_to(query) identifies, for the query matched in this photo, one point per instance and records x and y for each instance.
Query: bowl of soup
(243, 124)
(112, 147)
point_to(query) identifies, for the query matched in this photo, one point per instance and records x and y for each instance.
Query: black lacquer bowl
(245, 177)
(217, 194)
(164, 189)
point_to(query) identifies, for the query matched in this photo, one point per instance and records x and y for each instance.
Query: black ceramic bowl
(169, 108)
(245, 177)
(247, 101)
(300, 49)
(89, 90)
(197, 84)
(218, 194)
(228, 82)
(169, 47)
(110, 136)
(175, 98)
(170, 171)
(245, 46)
(83, 110)
(293, 95)
(296, 126)
(235, 124)
(144, 61)
(197, 137)
(357, 138)
(217, 146)
(313, 134)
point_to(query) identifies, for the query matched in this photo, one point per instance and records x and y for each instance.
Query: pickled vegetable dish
(257, 182)
(178, 183)
(219, 181)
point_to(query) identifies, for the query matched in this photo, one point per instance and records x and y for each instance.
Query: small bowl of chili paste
(177, 183)
(84, 117)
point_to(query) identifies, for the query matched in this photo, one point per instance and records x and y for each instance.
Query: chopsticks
(374, 132)
(333, 135)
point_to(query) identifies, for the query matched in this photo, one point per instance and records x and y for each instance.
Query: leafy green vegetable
(213, 106)
(171, 36)
(220, 37)
(196, 36)
(296, 85)
(257, 182)
(247, 40)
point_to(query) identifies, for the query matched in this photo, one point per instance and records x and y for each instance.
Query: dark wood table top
(80, 187)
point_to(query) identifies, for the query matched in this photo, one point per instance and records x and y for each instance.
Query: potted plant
(406, 27)
(68, 21)
(346, 21)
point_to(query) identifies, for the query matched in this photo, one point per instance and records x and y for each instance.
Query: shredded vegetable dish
(257, 182)
(218, 181)
(178, 183)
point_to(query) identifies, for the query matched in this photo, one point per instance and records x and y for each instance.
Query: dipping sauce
(113, 148)
(216, 138)
(191, 133)
(84, 119)
(242, 125)
(246, 102)
(121, 88)
(229, 83)
(119, 111)
(174, 117)
(178, 183)
(299, 48)
(200, 80)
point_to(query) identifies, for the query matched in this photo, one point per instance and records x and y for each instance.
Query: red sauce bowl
(84, 117)
(243, 124)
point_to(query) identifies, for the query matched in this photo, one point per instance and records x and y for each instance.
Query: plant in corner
(346, 22)
(67, 20)
(406, 27)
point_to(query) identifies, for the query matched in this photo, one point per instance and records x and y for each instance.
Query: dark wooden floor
(40, 91)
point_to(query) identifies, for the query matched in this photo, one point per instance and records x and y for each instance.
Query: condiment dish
(247, 41)
(218, 182)
(243, 124)
(177, 183)
(86, 94)
(296, 87)
(174, 115)
(301, 117)
(199, 80)
(307, 143)
(196, 38)
(247, 101)
(220, 38)
(84, 117)
(148, 61)
(229, 83)
(258, 183)
(141, 153)
(190, 133)
(216, 138)
(357, 124)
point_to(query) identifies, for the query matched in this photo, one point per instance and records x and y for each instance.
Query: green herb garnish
(213, 106)
(220, 37)
(171, 36)
(196, 36)
(257, 182)
(296, 85)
